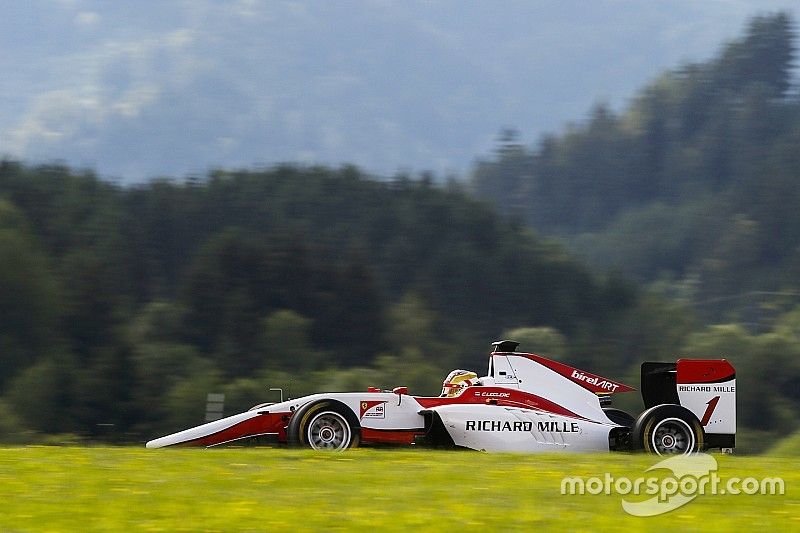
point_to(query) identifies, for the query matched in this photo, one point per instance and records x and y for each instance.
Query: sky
(136, 90)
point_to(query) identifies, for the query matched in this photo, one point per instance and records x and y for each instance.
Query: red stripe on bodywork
(583, 378)
(704, 371)
(265, 423)
(390, 436)
(502, 396)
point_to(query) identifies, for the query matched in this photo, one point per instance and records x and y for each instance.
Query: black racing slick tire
(324, 425)
(668, 430)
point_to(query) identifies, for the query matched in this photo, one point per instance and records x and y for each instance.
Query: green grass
(114, 489)
(787, 447)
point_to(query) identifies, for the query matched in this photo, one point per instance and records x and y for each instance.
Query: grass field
(787, 447)
(114, 489)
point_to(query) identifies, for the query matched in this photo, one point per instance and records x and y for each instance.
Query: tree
(505, 179)
(172, 290)
(29, 297)
(226, 294)
(286, 339)
(95, 308)
(763, 56)
(413, 328)
(41, 396)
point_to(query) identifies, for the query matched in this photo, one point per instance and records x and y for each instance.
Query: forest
(694, 184)
(670, 228)
(122, 302)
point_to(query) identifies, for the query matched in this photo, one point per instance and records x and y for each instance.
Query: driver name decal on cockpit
(493, 394)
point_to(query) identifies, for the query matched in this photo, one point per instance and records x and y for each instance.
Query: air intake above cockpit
(504, 346)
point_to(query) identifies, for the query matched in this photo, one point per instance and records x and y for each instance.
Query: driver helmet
(456, 381)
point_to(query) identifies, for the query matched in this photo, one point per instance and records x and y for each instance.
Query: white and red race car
(525, 403)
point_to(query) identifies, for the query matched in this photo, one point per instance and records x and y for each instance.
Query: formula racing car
(525, 403)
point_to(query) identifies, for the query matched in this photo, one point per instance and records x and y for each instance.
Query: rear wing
(706, 387)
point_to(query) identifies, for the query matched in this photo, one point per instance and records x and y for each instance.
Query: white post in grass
(215, 406)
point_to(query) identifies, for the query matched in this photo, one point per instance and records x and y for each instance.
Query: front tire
(668, 430)
(325, 425)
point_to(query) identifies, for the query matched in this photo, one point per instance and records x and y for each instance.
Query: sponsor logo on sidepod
(373, 409)
(550, 426)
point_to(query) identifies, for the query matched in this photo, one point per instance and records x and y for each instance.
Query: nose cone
(219, 431)
(154, 444)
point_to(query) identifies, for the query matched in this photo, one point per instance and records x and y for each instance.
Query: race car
(525, 403)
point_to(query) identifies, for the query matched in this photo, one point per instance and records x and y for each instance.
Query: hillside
(123, 305)
(159, 292)
(696, 183)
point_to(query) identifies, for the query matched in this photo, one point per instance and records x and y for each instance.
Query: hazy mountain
(136, 89)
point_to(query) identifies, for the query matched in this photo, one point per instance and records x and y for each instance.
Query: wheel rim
(672, 436)
(328, 431)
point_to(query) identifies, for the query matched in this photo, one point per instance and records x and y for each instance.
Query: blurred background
(223, 197)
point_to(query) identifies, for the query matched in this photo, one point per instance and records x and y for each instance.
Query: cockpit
(500, 372)
(457, 381)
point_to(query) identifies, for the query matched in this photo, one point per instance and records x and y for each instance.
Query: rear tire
(668, 430)
(326, 425)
